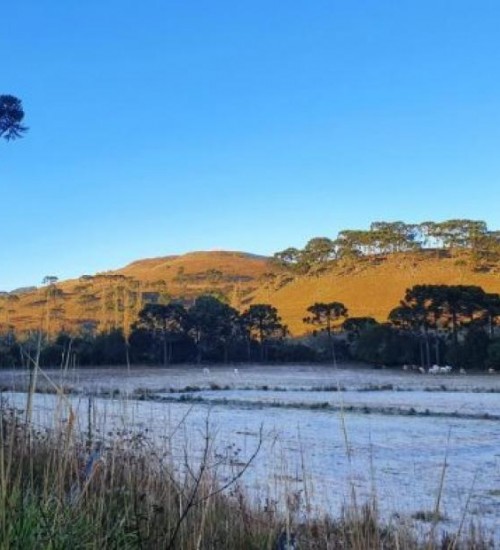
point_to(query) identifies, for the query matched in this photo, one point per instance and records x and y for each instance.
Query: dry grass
(110, 298)
(59, 490)
(367, 287)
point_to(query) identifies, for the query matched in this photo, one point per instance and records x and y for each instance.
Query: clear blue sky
(161, 127)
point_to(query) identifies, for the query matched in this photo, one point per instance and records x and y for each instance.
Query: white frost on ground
(319, 454)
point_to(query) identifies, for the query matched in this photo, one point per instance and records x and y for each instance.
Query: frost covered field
(328, 433)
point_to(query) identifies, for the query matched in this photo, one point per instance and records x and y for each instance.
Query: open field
(385, 434)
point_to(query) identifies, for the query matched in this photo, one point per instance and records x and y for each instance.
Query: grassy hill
(368, 286)
(371, 287)
(114, 298)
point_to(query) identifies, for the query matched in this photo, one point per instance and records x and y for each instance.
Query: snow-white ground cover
(321, 455)
(350, 377)
(452, 403)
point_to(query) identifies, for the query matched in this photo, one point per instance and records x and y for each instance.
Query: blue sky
(162, 127)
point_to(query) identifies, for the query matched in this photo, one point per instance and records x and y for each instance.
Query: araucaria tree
(167, 322)
(324, 316)
(262, 321)
(418, 313)
(11, 117)
(427, 310)
(214, 325)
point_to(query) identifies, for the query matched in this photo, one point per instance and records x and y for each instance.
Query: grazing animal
(422, 370)
(405, 367)
(463, 371)
(236, 371)
(206, 371)
(491, 371)
(436, 369)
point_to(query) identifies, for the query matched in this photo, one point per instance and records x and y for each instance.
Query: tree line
(433, 324)
(450, 236)
(209, 330)
(114, 300)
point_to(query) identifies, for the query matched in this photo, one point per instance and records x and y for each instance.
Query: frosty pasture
(328, 433)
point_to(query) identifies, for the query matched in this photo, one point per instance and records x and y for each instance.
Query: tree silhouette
(11, 116)
(168, 322)
(263, 321)
(425, 307)
(491, 310)
(417, 313)
(213, 325)
(324, 316)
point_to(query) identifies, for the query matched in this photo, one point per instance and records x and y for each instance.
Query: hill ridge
(368, 286)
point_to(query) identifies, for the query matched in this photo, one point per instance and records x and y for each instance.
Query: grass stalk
(130, 497)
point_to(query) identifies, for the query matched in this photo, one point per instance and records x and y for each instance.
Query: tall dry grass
(61, 490)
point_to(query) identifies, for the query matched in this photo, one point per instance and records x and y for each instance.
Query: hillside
(205, 267)
(114, 298)
(371, 287)
(367, 286)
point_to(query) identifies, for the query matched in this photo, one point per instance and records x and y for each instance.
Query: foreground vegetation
(60, 491)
